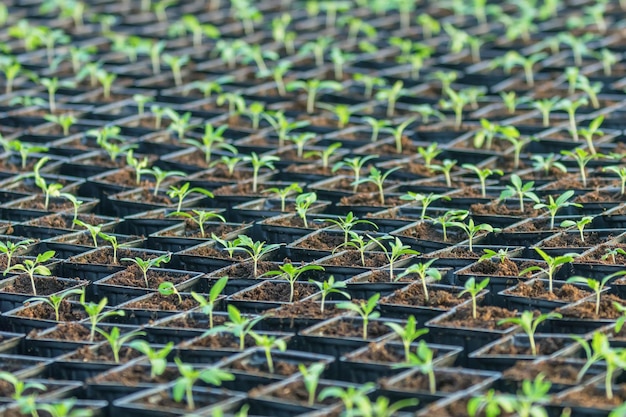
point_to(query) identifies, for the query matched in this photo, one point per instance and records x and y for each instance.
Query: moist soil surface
(353, 258)
(507, 268)
(245, 270)
(445, 382)
(163, 400)
(487, 317)
(413, 295)
(211, 252)
(349, 328)
(133, 277)
(571, 240)
(103, 354)
(104, 256)
(545, 346)
(136, 374)
(164, 303)
(276, 291)
(70, 331)
(322, 241)
(587, 309)
(596, 397)
(43, 311)
(556, 370)
(43, 285)
(426, 231)
(219, 341)
(192, 230)
(538, 289)
(310, 309)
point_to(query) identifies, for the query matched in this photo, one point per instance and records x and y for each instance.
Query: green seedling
(208, 304)
(529, 325)
(330, 286)
(473, 289)
(425, 272)
(363, 308)
(145, 264)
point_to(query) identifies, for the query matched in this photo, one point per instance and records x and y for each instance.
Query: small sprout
(363, 308)
(473, 289)
(167, 288)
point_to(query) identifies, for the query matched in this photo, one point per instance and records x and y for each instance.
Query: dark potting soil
(373, 200)
(596, 255)
(219, 341)
(504, 210)
(39, 203)
(164, 303)
(544, 347)
(163, 399)
(587, 309)
(192, 230)
(348, 328)
(188, 322)
(281, 367)
(136, 374)
(598, 196)
(67, 312)
(133, 277)
(104, 256)
(69, 331)
(147, 196)
(246, 269)
(103, 354)
(445, 382)
(321, 241)
(538, 290)
(595, 397)
(346, 184)
(44, 285)
(353, 258)
(536, 225)
(555, 370)
(379, 275)
(413, 295)
(66, 222)
(296, 221)
(426, 231)
(487, 317)
(507, 268)
(276, 291)
(569, 240)
(296, 392)
(382, 353)
(310, 309)
(461, 253)
(211, 252)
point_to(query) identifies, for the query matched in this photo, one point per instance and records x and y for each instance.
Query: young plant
(553, 206)
(20, 387)
(570, 107)
(258, 162)
(208, 304)
(167, 288)
(547, 163)
(378, 178)
(330, 287)
(55, 300)
(446, 167)
(398, 133)
(324, 154)
(473, 289)
(311, 377)
(9, 249)
(424, 200)
(94, 230)
(591, 131)
(355, 164)
(157, 358)
(448, 219)
(185, 191)
(621, 172)
(300, 140)
(482, 174)
(267, 343)
(145, 265)
(471, 230)
(580, 225)
(160, 176)
(347, 223)
(396, 251)
(35, 267)
(424, 271)
(303, 203)
(529, 325)
(96, 313)
(65, 121)
(283, 193)
(25, 150)
(256, 250)
(600, 350)
(283, 126)
(582, 158)
(408, 334)
(519, 189)
(391, 96)
(312, 87)
(117, 340)
(238, 325)
(291, 273)
(545, 107)
(363, 308)
(596, 286)
(189, 376)
(212, 139)
(553, 264)
(611, 253)
(176, 64)
(456, 101)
